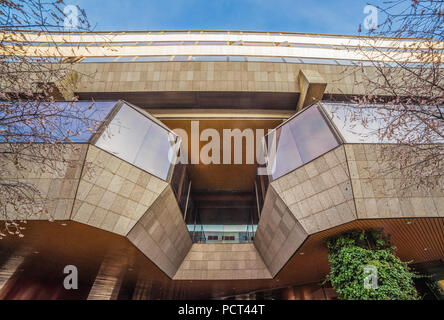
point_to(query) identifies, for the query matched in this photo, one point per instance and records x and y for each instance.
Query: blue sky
(321, 16)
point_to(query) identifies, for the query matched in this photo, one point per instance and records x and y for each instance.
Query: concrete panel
(113, 194)
(57, 187)
(312, 86)
(222, 261)
(161, 234)
(378, 192)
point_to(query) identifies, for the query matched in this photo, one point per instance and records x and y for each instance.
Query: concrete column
(312, 86)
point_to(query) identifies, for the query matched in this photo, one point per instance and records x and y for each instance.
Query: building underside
(141, 228)
(110, 267)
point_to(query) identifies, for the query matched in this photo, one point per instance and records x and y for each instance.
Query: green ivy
(349, 253)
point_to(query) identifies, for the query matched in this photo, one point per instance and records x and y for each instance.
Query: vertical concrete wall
(161, 233)
(379, 193)
(222, 261)
(57, 187)
(209, 76)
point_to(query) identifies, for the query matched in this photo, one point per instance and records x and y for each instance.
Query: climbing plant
(354, 255)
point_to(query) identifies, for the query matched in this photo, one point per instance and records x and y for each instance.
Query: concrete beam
(312, 86)
(65, 86)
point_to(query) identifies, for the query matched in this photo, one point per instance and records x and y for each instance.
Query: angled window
(135, 137)
(298, 141)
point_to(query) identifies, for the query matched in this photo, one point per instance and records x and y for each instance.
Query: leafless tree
(34, 130)
(404, 95)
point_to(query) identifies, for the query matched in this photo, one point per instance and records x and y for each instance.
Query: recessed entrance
(223, 198)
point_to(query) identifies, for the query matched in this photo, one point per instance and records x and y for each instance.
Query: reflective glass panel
(180, 58)
(212, 43)
(348, 120)
(134, 137)
(258, 44)
(303, 45)
(165, 43)
(153, 58)
(285, 150)
(125, 59)
(352, 131)
(153, 153)
(125, 134)
(292, 60)
(318, 61)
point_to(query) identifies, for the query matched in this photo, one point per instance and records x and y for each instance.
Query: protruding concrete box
(333, 182)
(113, 194)
(106, 186)
(344, 185)
(319, 194)
(334, 187)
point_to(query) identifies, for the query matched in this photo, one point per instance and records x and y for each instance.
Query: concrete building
(142, 227)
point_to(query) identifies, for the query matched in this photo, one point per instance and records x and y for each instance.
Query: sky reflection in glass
(67, 121)
(137, 139)
(351, 129)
